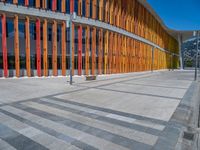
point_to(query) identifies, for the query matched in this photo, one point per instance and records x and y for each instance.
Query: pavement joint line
(111, 111)
(137, 93)
(47, 96)
(105, 119)
(49, 131)
(111, 137)
(155, 86)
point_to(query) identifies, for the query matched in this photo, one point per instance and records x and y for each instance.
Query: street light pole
(69, 24)
(197, 53)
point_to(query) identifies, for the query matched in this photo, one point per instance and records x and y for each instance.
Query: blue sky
(178, 14)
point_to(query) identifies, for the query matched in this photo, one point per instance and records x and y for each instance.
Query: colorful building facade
(109, 37)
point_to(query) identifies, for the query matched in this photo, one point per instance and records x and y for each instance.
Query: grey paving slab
(59, 130)
(141, 105)
(80, 110)
(118, 130)
(5, 146)
(133, 126)
(33, 133)
(17, 140)
(111, 137)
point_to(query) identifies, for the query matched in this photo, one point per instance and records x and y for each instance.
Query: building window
(59, 52)
(10, 43)
(68, 6)
(22, 49)
(50, 46)
(31, 3)
(83, 8)
(20, 2)
(59, 5)
(49, 4)
(76, 6)
(32, 45)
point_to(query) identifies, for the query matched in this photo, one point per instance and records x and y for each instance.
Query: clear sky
(178, 14)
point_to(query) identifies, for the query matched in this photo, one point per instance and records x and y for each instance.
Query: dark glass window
(76, 6)
(83, 49)
(22, 48)
(90, 8)
(49, 4)
(83, 8)
(59, 5)
(68, 6)
(50, 46)
(68, 48)
(76, 48)
(32, 45)
(20, 2)
(31, 3)
(9, 1)
(1, 55)
(59, 52)
(10, 43)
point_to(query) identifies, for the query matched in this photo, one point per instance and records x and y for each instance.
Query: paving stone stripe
(59, 130)
(100, 113)
(128, 133)
(33, 133)
(116, 139)
(45, 139)
(110, 111)
(105, 119)
(5, 146)
(138, 93)
(17, 140)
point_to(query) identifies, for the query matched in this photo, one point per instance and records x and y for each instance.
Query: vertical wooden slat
(4, 45)
(80, 50)
(54, 48)
(87, 48)
(44, 4)
(63, 44)
(80, 7)
(87, 14)
(45, 49)
(37, 3)
(38, 47)
(63, 6)
(15, 1)
(27, 32)
(16, 46)
(100, 58)
(94, 8)
(93, 50)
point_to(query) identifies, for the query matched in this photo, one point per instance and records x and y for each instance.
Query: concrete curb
(181, 131)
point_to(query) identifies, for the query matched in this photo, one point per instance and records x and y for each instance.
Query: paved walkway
(116, 112)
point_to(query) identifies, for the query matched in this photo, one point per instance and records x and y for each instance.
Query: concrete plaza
(115, 112)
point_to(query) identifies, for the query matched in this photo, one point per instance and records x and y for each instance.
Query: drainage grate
(188, 136)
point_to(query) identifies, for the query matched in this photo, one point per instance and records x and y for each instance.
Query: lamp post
(69, 24)
(197, 53)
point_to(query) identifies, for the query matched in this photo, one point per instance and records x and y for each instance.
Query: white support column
(180, 41)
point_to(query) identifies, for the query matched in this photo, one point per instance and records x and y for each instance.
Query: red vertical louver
(80, 50)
